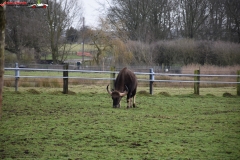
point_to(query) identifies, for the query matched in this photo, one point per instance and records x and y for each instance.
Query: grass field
(74, 49)
(41, 123)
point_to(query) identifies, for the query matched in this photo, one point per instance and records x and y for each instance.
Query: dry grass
(211, 69)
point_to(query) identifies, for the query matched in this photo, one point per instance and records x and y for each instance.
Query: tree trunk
(2, 44)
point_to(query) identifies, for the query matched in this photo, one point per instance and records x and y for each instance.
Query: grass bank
(45, 124)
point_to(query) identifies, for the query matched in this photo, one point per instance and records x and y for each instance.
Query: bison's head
(117, 96)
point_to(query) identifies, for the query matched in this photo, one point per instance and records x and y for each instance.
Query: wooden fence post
(65, 78)
(197, 83)
(238, 84)
(17, 74)
(151, 77)
(112, 75)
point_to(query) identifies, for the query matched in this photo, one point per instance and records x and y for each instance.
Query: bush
(185, 52)
(10, 57)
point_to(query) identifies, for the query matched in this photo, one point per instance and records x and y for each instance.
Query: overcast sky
(92, 10)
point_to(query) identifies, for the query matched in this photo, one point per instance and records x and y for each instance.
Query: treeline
(153, 20)
(41, 31)
(152, 32)
(185, 52)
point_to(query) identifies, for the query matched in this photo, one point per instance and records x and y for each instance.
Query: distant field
(42, 123)
(75, 48)
(78, 47)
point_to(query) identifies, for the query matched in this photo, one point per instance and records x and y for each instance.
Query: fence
(151, 80)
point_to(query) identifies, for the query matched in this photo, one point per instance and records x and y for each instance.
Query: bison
(125, 84)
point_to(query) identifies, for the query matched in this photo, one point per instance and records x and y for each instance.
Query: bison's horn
(108, 90)
(125, 92)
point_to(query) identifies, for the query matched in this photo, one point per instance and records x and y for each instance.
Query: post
(238, 84)
(65, 78)
(151, 77)
(112, 75)
(197, 83)
(17, 74)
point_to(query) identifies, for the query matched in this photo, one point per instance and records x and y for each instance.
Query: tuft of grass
(210, 95)
(34, 91)
(166, 94)
(145, 93)
(226, 94)
(56, 92)
(71, 92)
(189, 95)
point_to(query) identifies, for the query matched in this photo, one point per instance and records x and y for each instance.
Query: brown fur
(126, 80)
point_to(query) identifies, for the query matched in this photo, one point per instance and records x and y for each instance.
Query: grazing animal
(125, 84)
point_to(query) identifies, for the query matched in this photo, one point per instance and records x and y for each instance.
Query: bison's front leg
(134, 104)
(128, 103)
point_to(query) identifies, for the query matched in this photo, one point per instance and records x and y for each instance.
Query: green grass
(78, 47)
(41, 123)
(75, 48)
(54, 73)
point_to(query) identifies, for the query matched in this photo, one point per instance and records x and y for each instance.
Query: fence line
(143, 80)
(151, 75)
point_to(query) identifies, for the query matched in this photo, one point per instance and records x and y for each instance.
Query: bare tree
(25, 29)
(2, 46)
(214, 25)
(60, 17)
(144, 20)
(102, 40)
(160, 20)
(193, 15)
(132, 15)
(108, 44)
(233, 12)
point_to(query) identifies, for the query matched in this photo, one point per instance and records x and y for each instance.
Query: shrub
(185, 52)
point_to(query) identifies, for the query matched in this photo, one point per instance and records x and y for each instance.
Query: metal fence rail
(111, 72)
(151, 75)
